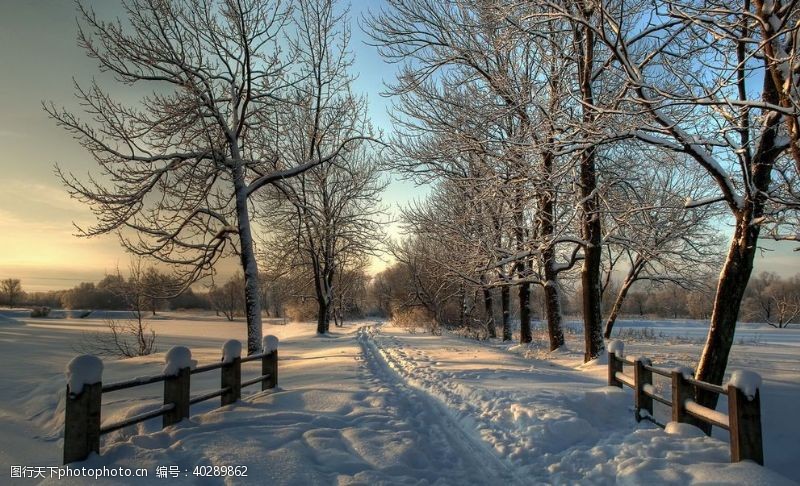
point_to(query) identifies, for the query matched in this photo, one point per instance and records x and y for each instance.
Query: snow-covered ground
(373, 404)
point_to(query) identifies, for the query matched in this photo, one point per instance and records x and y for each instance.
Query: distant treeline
(769, 298)
(109, 294)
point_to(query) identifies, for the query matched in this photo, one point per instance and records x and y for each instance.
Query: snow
(747, 381)
(373, 404)
(231, 350)
(617, 347)
(706, 413)
(83, 370)
(269, 344)
(177, 358)
(684, 430)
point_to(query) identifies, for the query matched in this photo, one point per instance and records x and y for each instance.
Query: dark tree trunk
(547, 203)
(618, 301)
(730, 290)
(522, 270)
(739, 264)
(525, 335)
(323, 316)
(552, 309)
(590, 217)
(505, 302)
(488, 305)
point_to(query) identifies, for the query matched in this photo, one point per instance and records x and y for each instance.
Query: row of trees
(574, 141)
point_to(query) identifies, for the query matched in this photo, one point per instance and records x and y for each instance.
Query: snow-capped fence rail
(743, 420)
(82, 429)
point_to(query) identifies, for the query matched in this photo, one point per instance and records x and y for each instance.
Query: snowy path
(429, 414)
(553, 424)
(341, 416)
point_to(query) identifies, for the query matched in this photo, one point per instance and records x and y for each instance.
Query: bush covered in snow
(42, 311)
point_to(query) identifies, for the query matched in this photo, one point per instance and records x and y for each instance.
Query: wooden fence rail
(82, 428)
(743, 420)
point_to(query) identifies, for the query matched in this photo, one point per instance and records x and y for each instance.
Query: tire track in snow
(485, 467)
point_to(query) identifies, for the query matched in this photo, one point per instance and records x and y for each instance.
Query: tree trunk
(730, 290)
(488, 305)
(546, 216)
(249, 264)
(505, 302)
(552, 307)
(620, 299)
(525, 335)
(323, 316)
(590, 217)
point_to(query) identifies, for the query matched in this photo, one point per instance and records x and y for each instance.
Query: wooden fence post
(232, 379)
(681, 391)
(745, 426)
(642, 377)
(82, 423)
(269, 366)
(269, 362)
(176, 391)
(614, 365)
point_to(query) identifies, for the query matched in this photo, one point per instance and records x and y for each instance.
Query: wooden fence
(82, 428)
(743, 420)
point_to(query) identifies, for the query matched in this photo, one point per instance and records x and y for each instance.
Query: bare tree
(329, 215)
(772, 300)
(12, 288)
(691, 71)
(654, 237)
(178, 168)
(126, 338)
(228, 298)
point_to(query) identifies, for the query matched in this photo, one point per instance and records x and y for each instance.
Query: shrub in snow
(747, 381)
(83, 370)
(269, 343)
(177, 358)
(617, 347)
(231, 350)
(42, 311)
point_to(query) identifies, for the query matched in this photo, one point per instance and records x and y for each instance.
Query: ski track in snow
(429, 414)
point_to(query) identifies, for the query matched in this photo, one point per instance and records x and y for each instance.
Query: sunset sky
(38, 59)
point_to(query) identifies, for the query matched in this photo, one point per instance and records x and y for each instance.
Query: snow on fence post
(269, 362)
(642, 377)
(82, 408)
(177, 369)
(615, 348)
(744, 410)
(681, 391)
(231, 371)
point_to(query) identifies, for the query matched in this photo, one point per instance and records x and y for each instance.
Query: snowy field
(373, 404)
